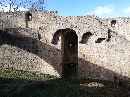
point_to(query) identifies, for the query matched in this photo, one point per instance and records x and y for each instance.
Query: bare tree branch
(15, 5)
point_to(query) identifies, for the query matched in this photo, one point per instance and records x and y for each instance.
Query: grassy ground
(15, 83)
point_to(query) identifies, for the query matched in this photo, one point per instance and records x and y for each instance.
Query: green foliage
(12, 73)
(19, 83)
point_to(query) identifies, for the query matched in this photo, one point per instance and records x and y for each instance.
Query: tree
(17, 5)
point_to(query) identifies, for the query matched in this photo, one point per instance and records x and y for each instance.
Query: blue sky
(100, 8)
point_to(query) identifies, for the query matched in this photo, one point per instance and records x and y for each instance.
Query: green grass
(18, 83)
(12, 73)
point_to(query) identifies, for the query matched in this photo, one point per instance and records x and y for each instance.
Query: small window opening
(70, 70)
(71, 64)
(71, 44)
(71, 47)
(99, 40)
(113, 23)
(29, 16)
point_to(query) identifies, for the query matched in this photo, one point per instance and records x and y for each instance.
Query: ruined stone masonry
(74, 46)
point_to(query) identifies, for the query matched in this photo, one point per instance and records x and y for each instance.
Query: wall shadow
(90, 71)
(31, 45)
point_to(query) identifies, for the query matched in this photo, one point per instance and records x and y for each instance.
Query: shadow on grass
(11, 87)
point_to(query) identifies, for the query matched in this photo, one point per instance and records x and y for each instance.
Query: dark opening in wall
(28, 16)
(85, 37)
(109, 36)
(56, 37)
(28, 50)
(71, 69)
(113, 23)
(71, 47)
(1, 37)
(99, 40)
(39, 36)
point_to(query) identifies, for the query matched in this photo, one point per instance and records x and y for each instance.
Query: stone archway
(70, 53)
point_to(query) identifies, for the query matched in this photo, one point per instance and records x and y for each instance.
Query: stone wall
(37, 44)
(23, 49)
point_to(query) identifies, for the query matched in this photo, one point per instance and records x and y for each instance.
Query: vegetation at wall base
(19, 83)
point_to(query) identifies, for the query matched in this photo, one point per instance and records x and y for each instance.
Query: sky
(100, 8)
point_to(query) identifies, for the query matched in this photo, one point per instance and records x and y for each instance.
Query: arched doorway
(70, 53)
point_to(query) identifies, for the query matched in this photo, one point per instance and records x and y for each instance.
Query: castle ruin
(74, 46)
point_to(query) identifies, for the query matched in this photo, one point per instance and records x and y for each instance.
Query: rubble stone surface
(37, 41)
